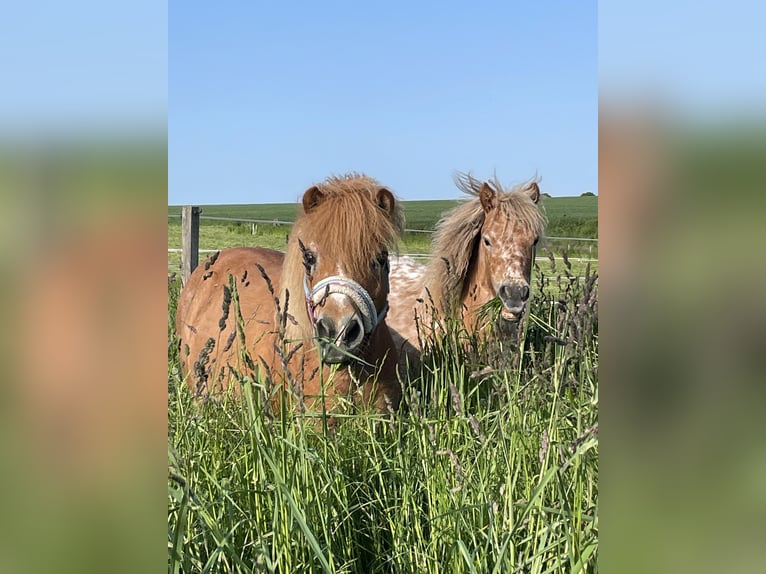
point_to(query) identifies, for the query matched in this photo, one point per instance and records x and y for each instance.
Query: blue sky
(701, 58)
(266, 98)
(83, 66)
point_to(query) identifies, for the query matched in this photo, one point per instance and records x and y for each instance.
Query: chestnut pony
(481, 250)
(313, 318)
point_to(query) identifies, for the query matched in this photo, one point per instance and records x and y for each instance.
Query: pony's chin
(334, 357)
(510, 316)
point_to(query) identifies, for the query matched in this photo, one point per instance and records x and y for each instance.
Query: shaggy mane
(456, 233)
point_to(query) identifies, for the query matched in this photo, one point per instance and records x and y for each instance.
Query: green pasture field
(567, 217)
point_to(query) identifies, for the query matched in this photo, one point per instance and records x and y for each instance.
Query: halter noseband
(351, 289)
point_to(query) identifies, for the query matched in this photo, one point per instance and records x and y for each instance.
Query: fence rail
(413, 255)
(191, 215)
(281, 222)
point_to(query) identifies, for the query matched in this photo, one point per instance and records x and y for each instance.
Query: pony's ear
(312, 197)
(533, 191)
(487, 197)
(385, 200)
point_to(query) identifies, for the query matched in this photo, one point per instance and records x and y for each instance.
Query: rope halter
(351, 289)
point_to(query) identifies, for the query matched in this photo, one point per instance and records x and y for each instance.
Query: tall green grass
(490, 466)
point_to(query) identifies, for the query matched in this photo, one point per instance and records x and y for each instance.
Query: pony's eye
(381, 262)
(486, 241)
(309, 256)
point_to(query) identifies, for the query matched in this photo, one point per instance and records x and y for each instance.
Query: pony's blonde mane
(349, 222)
(456, 234)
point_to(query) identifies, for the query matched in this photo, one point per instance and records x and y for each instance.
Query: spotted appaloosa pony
(327, 295)
(481, 249)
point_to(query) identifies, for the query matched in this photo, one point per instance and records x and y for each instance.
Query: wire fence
(278, 222)
(545, 253)
(424, 258)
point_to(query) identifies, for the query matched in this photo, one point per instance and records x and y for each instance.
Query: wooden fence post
(189, 241)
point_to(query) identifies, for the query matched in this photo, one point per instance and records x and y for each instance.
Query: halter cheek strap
(351, 289)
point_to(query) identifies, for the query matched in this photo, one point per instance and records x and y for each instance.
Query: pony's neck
(476, 290)
(437, 296)
(450, 288)
(454, 255)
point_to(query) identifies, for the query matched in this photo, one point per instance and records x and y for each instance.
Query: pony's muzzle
(339, 341)
(513, 296)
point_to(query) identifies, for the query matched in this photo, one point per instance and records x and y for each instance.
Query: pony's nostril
(524, 295)
(353, 333)
(325, 328)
